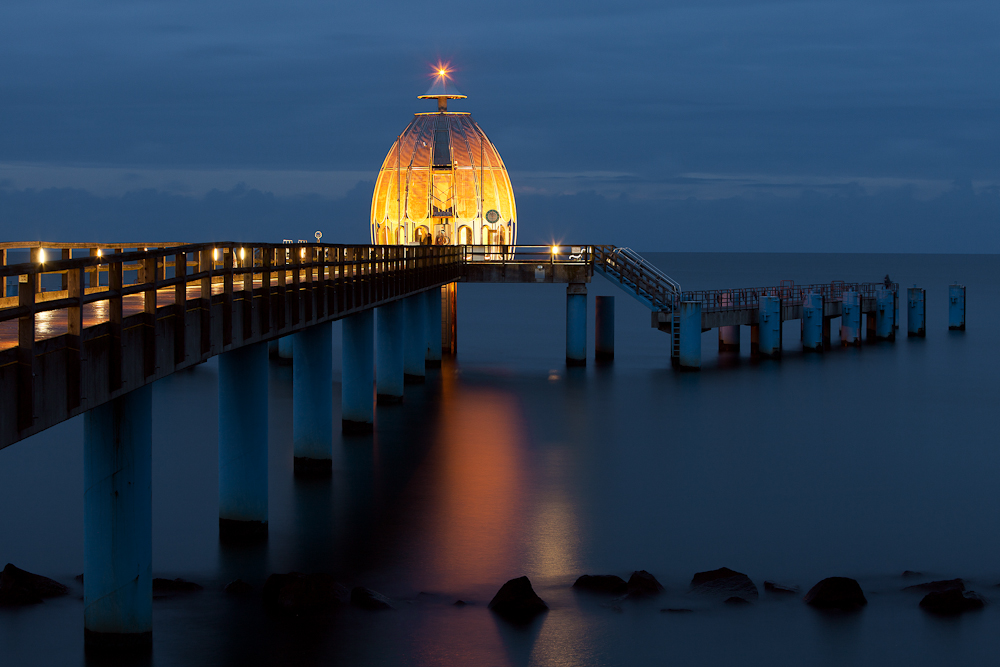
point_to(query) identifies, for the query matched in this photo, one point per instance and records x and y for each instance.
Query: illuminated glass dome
(443, 182)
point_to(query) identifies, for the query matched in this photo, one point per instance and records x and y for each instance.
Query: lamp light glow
(41, 255)
(215, 254)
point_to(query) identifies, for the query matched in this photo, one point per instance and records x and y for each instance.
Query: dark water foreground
(859, 462)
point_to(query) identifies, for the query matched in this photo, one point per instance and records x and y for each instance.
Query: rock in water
(177, 585)
(517, 601)
(366, 598)
(736, 600)
(602, 583)
(951, 602)
(642, 584)
(937, 586)
(836, 593)
(19, 587)
(724, 583)
(778, 589)
(297, 593)
(238, 587)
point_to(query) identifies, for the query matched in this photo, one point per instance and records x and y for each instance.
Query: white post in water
(312, 400)
(117, 522)
(357, 399)
(769, 332)
(432, 326)
(576, 324)
(812, 322)
(690, 336)
(916, 323)
(389, 357)
(850, 319)
(956, 307)
(415, 346)
(885, 314)
(243, 443)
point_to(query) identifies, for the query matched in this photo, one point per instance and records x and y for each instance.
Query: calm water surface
(859, 462)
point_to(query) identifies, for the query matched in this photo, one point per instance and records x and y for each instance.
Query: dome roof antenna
(442, 88)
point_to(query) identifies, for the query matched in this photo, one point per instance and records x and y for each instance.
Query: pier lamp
(215, 254)
(555, 249)
(100, 253)
(41, 255)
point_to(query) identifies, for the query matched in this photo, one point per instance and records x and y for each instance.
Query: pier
(89, 335)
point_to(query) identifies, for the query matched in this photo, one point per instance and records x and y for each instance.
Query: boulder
(517, 601)
(643, 584)
(937, 586)
(366, 598)
(296, 593)
(175, 586)
(778, 589)
(238, 587)
(18, 587)
(609, 584)
(724, 583)
(951, 602)
(836, 593)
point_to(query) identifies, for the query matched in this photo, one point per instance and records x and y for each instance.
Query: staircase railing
(628, 268)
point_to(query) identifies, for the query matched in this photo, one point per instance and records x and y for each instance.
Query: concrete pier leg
(415, 339)
(827, 332)
(916, 312)
(243, 443)
(769, 320)
(449, 319)
(812, 323)
(389, 355)
(285, 348)
(956, 307)
(690, 328)
(850, 319)
(432, 328)
(117, 528)
(312, 399)
(576, 324)
(357, 399)
(604, 328)
(885, 310)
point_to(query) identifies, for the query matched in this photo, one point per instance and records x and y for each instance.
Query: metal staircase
(626, 268)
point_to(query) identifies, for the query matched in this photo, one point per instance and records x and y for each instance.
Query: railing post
(26, 352)
(115, 279)
(206, 263)
(66, 253)
(74, 330)
(296, 300)
(180, 310)
(149, 311)
(227, 296)
(267, 261)
(95, 273)
(248, 300)
(282, 289)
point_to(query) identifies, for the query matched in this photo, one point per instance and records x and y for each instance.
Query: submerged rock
(238, 587)
(910, 574)
(18, 587)
(736, 601)
(642, 584)
(724, 583)
(937, 586)
(602, 583)
(177, 585)
(951, 602)
(297, 593)
(836, 593)
(366, 598)
(778, 589)
(517, 601)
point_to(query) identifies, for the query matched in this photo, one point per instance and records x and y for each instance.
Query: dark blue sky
(664, 125)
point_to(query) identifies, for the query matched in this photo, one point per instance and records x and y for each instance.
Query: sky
(848, 126)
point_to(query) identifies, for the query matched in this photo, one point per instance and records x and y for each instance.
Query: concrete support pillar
(769, 320)
(415, 335)
(812, 323)
(956, 307)
(449, 319)
(916, 312)
(604, 328)
(357, 398)
(432, 327)
(885, 312)
(117, 522)
(850, 319)
(576, 324)
(286, 348)
(689, 357)
(243, 443)
(312, 399)
(389, 355)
